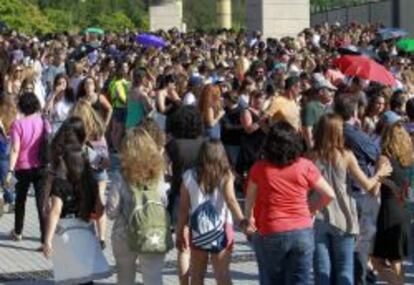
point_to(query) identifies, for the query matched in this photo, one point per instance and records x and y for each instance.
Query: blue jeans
(257, 242)
(334, 255)
(9, 196)
(288, 256)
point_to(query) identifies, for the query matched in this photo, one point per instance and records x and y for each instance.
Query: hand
(385, 168)
(182, 242)
(8, 180)
(249, 231)
(47, 250)
(105, 163)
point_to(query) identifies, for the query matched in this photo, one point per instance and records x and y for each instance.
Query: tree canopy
(49, 16)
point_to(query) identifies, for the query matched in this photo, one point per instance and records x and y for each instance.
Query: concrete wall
(167, 15)
(379, 12)
(278, 18)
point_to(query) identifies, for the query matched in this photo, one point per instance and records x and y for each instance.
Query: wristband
(10, 171)
(243, 223)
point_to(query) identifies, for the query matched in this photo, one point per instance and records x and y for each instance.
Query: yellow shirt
(282, 108)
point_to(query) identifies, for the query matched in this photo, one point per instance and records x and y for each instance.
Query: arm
(182, 242)
(113, 204)
(14, 154)
(247, 122)
(230, 198)
(52, 221)
(108, 108)
(120, 93)
(160, 101)
(308, 134)
(326, 195)
(212, 118)
(384, 169)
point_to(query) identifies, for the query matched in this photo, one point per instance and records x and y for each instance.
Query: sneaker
(15, 236)
(103, 244)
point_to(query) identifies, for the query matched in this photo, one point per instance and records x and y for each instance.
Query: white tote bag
(77, 257)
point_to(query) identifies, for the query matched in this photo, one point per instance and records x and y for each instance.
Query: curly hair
(28, 103)
(141, 161)
(94, 126)
(396, 143)
(185, 123)
(283, 145)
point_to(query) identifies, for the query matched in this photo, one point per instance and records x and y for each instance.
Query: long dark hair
(69, 95)
(70, 163)
(212, 165)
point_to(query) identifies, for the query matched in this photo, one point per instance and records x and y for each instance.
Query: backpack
(207, 228)
(148, 224)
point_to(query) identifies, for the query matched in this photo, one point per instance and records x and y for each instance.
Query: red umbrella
(366, 68)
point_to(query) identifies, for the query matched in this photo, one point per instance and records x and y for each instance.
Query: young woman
(13, 80)
(142, 165)
(97, 152)
(376, 106)
(74, 197)
(278, 189)
(336, 226)
(211, 110)
(392, 237)
(8, 113)
(253, 122)
(167, 100)
(26, 135)
(60, 102)
(87, 91)
(210, 181)
(139, 101)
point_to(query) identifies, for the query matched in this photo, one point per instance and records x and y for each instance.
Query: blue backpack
(207, 228)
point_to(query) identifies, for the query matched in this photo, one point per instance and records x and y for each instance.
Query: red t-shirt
(282, 195)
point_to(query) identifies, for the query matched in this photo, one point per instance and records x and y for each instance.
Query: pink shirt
(28, 132)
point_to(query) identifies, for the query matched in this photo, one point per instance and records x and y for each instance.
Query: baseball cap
(390, 118)
(320, 82)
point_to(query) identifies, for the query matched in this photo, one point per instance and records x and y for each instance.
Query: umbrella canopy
(406, 45)
(94, 31)
(392, 33)
(365, 68)
(148, 40)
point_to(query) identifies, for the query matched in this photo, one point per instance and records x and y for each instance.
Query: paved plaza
(21, 264)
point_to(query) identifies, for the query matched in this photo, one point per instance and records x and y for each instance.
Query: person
(277, 189)
(167, 98)
(336, 226)
(142, 168)
(231, 127)
(367, 152)
(209, 184)
(392, 238)
(26, 135)
(285, 106)
(316, 106)
(74, 197)
(211, 110)
(97, 152)
(60, 102)
(87, 91)
(376, 106)
(118, 91)
(8, 113)
(254, 124)
(139, 102)
(182, 150)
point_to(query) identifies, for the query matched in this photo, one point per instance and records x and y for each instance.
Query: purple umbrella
(148, 40)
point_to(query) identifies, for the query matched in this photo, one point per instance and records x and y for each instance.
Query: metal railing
(319, 6)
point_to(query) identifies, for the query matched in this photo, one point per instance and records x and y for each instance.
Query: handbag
(44, 149)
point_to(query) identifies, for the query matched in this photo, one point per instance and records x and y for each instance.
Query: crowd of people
(323, 159)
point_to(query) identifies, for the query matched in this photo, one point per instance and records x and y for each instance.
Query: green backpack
(148, 229)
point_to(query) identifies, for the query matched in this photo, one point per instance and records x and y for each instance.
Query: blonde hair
(396, 143)
(141, 161)
(8, 112)
(94, 126)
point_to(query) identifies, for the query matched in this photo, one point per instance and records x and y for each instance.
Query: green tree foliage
(116, 22)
